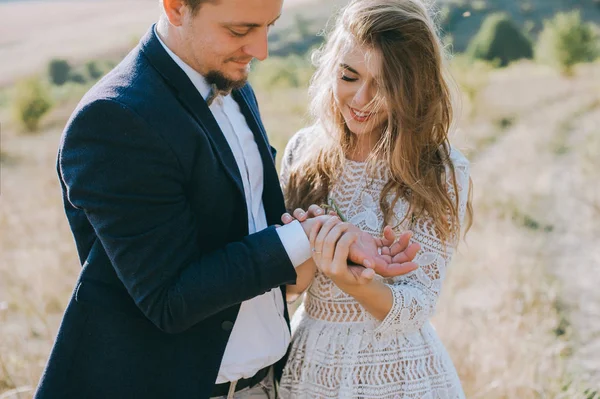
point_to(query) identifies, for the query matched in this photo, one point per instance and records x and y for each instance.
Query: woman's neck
(365, 144)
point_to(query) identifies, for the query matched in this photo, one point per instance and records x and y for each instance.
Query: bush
(94, 71)
(283, 72)
(449, 16)
(32, 102)
(59, 71)
(77, 77)
(472, 76)
(566, 41)
(500, 39)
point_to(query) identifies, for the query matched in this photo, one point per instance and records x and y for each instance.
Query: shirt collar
(197, 80)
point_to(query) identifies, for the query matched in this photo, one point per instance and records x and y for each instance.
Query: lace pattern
(338, 349)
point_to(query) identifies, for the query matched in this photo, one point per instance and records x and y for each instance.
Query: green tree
(32, 101)
(94, 71)
(566, 40)
(59, 71)
(500, 39)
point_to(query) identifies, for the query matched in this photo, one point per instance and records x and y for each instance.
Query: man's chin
(239, 72)
(228, 81)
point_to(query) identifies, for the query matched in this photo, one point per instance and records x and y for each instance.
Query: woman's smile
(360, 116)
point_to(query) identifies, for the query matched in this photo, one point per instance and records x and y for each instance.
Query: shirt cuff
(295, 242)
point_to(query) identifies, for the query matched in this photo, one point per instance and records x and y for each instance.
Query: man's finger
(286, 218)
(314, 211)
(300, 214)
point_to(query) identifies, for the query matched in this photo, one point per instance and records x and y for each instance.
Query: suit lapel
(272, 197)
(191, 99)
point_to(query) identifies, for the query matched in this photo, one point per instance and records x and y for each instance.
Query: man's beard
(223, 83)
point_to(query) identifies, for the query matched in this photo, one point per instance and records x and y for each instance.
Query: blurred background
(520, 311)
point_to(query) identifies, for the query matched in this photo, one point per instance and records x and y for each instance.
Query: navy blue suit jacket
(155, 202)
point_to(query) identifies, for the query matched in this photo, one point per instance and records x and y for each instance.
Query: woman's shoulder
(300, 142)
(458, 159)
(302, 137)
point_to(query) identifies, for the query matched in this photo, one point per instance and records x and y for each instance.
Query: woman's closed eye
(348, 78)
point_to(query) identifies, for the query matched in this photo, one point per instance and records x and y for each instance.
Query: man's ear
(175, 11)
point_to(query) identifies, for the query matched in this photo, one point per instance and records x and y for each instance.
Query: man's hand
(301, 216)
(386, 256)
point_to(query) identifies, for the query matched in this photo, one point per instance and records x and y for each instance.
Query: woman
(378, 154)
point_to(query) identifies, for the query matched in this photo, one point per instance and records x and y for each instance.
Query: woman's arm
(305, 275)
(375, 296)
(408, 303)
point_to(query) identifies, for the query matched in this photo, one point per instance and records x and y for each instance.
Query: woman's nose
(363, 96)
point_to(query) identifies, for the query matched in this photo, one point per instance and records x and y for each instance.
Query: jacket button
(227, 325)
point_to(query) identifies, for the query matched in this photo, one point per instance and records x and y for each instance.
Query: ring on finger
(315, 251)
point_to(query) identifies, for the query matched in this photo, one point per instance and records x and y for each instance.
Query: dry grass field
(520, 307)
(34, 32)
(520, 312)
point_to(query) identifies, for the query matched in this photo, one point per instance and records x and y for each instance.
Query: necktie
(214, 93)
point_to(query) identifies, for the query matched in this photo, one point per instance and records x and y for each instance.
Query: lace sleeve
(286, 165)
(293, 148)
(415, 295)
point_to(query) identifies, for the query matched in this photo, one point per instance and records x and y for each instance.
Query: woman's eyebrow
(348, 67)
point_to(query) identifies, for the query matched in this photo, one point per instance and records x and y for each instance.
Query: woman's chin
(358, 129)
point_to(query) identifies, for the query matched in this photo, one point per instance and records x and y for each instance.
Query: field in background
(34, 32)
(520, 307)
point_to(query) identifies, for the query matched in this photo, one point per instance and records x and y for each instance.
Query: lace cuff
(410, 310)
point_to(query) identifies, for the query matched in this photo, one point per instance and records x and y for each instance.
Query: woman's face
(356, 91)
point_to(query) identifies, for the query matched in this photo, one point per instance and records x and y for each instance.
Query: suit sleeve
(129, 183)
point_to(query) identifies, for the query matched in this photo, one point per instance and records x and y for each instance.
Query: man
(169, 186)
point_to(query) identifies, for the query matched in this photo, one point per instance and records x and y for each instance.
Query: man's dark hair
(196, 4)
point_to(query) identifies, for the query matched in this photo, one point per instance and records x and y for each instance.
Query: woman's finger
(317, 244)
(331, 240)
(408, 255)
(366, 276)
(388, 236)
(402, 243)
(342, 249)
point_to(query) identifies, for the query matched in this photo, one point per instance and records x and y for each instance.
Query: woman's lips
(360, 116)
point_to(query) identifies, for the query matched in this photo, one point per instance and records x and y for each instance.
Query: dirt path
(552, 177)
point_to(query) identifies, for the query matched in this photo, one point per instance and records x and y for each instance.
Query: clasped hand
(350, 256)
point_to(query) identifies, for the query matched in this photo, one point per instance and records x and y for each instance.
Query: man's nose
(259, 46)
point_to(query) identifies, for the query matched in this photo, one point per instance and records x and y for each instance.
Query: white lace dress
(338, 349)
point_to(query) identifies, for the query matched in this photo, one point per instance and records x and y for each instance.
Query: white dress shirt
(260, 335)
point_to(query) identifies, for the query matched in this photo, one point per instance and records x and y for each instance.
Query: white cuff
(295, 242)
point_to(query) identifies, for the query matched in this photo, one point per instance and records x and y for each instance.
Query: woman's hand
(393, 258)
(331, 249)
(388, 257)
